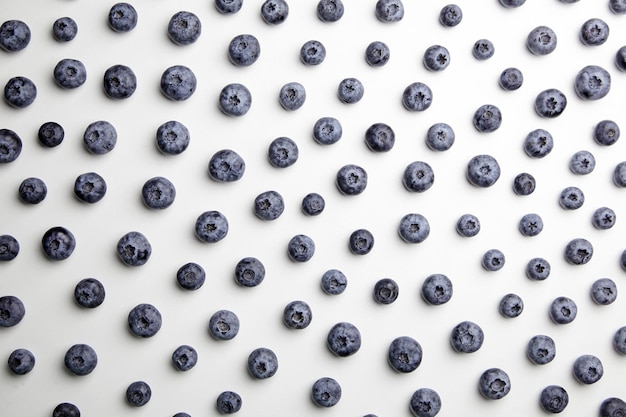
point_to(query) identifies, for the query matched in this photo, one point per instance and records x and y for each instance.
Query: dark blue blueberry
(334, 282)
(12, 310)
(619, 340)
(594, 32)
(511, 79)
(58, 243)
(425, 402)
(468, 225)
(603, 291)
(330, 10)
(493, 260)
(158, 193)
(184, 357)
(184, 28)
(619, 174)
(32, 190)
(613, 406)
(122, 17)
(494, 384)
(466, 337)
(436, 58)
(262, 363)
(592, 82)
(9, 248)
(274, 12)
(66, 410)
(138, 393)
(228, 6)
(440, 137)
(563, 310)
(178, 83)
(235, 100)
(538, 143)
(351, 179)
(483, 171)
(269, 205)
(181, 414)
(228, 402)
(313, 204)
(211, 226)
(578, 251)
(249, 272)
(389, 11)
(119, 82)
(100, 137)
(292, 96)
(553, 399)
(223, 325)
(81, 359)
(620, 58)
(90, 187)
(437, 289)
(244, 50)
(350, 90)
(20, 92)
(511, 305)
(326, 392)
(312, 53)
(571, 198)
(134, 249)
(327, 130)
(377, 54)
(50, 134)
(344, 339)
(417, 96)
(283, 152)
(524, 184)
(361, 242)
(301, 248)
(226, 165)
(487, 118)
(541, 349)
(70, 73)
(380, 137)
(386, 291)
(483, 49)
(538, 269)
(21, 361)
(450, 15)
(297, 315)
(622, 260)
(550, 103)
(606, 132)
(530, 224)
(541, 40)
(418, 177)
(617, 6)
(603, 218)
(172, 137)
(404, 354)
(582, 163)
(64, 29)
(414, 228)
(14, 35)
(89, 293)
(587, 369)
(144, 320)
(191, 276)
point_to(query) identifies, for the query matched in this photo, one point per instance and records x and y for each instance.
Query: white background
(54, 322)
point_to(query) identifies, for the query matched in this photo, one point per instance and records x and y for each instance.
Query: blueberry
(172, 137)
(21, 361)
(553, 399)
(538, 269)
(487, 118)
(120, 82)
(262, 363)
(619, 174)
(90, 187)
(297, 315)
(541, 40)
(404, 354)
(312, 53)
(425, 402)
(622, 260)
(334, 282)
(483, 171)
(417, 97)
(437, 289)
(619, 340)
(301, 248)
(223, 325)
(50, 134)
(620, 58)
(184, 28)
(617, 6)
(468, 225)
(58, 243)
(313, 204)
(361, 242)
(327, 130)
(138, 393)
(578, 251)
(550, 103)
(483, 49)
(594, 32)
(269, 205)
(377, 54)
(100, 137)
(122, 17)
(330, 10)
(612, 406)
(350, 90)
(244, 50)
(418, 177)
(563, 310)
(20, 92)
(587, 369)
(190, 276)
(466, 337)
(571, 198)
(12, 310)
(235, 100)
(64, 29)
(144, 320)
(603, 218)
(524, 184)
(344, 339)
(592, 82)
(292, 96)
(181, 415)
(538, 143)
(380, 137)
(134, 249)
(89, 293)
(158, 193)
(70, 73)
(184, 357)
(582, 163)
(494, 384)
(351, 179)
(14, 35)
(226, 165)
(283, 152)
(81, 359)
(541, 349)
(414, 228)
(211, 226)
(228, 6)
(386, 291)
(603, 291)
(178, 83)
(511, 305)
(32, 190)
(440, 137)
(9, 248)
(389, 11)
(228, 402)
(450, 15)
(512, 3)
(493, 260)
(326, 392)
(66, 410)
(530, 224)
(606, 132)
(274, 12)
(511, 79)
(436, 58)
(249, 272)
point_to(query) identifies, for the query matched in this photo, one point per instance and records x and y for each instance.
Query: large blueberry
(9, 247)
(119, 82)
(58, 243)
(592, 82)
(90, 187)
(226, 165)
(511, 305)
(20, 92)
(122, 17)
(538, 143)
(563, 310)
(538, 269)
(541, 349)
(223, 325)
(571, 198)
(158, 193)
(292, 96)
(582, 162)
(12, 310)
(587, 369)
(361, 242)
(297, 315)
(14, 35)
(417, 96)
(81, 359)
(262, 363)
(344, 339)
(312, 52)
(386, 291)
(437, 289)
(594, 32)
(326, 392)
(66, 410)
(483, 171)
(269, 205)
(190, 276)
(620, 57)
(178, 83)
(32, 190)
(184, 28)
(228, 6)
(617, 7)
(274, 12)
(541, 40)
(228, 402)
(211, 226)
(436, 58)
(493, 260)
(244, 50)
(550, 103)
(414, 228)
(330, 10)
(418, 176)
(578, 251)
(134, 248)
(313, 204)
(21, 361)
(483, 49)
(300, 248)
(404, 354)
(64, 29)
(172, 137)
(351, 179)
(619, 174)
(466, 337)
(425, 402)
(235, 100)
(389, 11)
(333, 282)
(249, 272)
(450, 15)
(50, 134)
(283, 152)
(494, 384)
(350, 90)
(606, 132)
(100, 137)
(603, 218)
(138, 393)
(327, 130)
(603, 291)
(440, 137)
(144, 320)
(524, 184)
(613, 406)
(511, 79)
(530, 224)
(377, 54)
(89, 293)
(70, 73)
(380, 137)
(487, 118)
(184, 357)
(468, 225)
(553, 399)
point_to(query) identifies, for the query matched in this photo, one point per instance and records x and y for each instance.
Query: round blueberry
(301, 248)
(524, 184)
(541, 349)
(64, 29)
(594, 32)
(563, 310)
(14, 35)
(178, 83)
(190, 276)
(606, 132)
(326, 392)
(450, 15)
(414, 228)
(425, 402)
(12, 310)
(223, 325)
(511, 79)
(587, 369)
(550, 103)
(228, 6)
(511, 305)
(100, 137)
(262, 363)
(122, 17)
(9, 248)
(90, 187)
(269, 205)
(619, 340)
(619, 174)
(32, 190)
(418, 177)
(70, 73)
(184, 357)
(274, 12)
(571, 198)
(211, 226)
(613, 406)
(158, 193)
(184, 28)
(440, 137)
(297, 315)
(541, 40)
(138, 393)
(351, 179)
(466, 337)
(244, 50)
(620, 58)
(617, 6)
(172, 137)
(493, 260)
(380, 137)
(603, 291)
(350, 90)
(389, 11)
(483, 171)
(334, 282)
(344, 339)
(592, 82)
(283, 152)
(468, 225)
(327, 130)
(483, 49)
(58, 243)
(226, 165)
(20, 92)
(235, 100)
(312, 53)
(538, 143)
(249, 272)
(603, 218)
(81, 359)
(386, 291)
(181, 415)
(553, 399)
(21, 361)
(144, 320)
(134, 249)
(436, 58)
(377, 54)
(582, 163)
(292, 96)
(578, 251)
(494, 384)
(437, 289)
(487, 118)
(530, 224)
(50, 134)
(120, 82)
(66, 410)
(361, 242)
(417, 97)
(404, 354)
(313, 204)
(538, 269)
(89, 293)
(228, 402)
(330, 10)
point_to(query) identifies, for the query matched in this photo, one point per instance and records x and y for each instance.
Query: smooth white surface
(53, 322)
